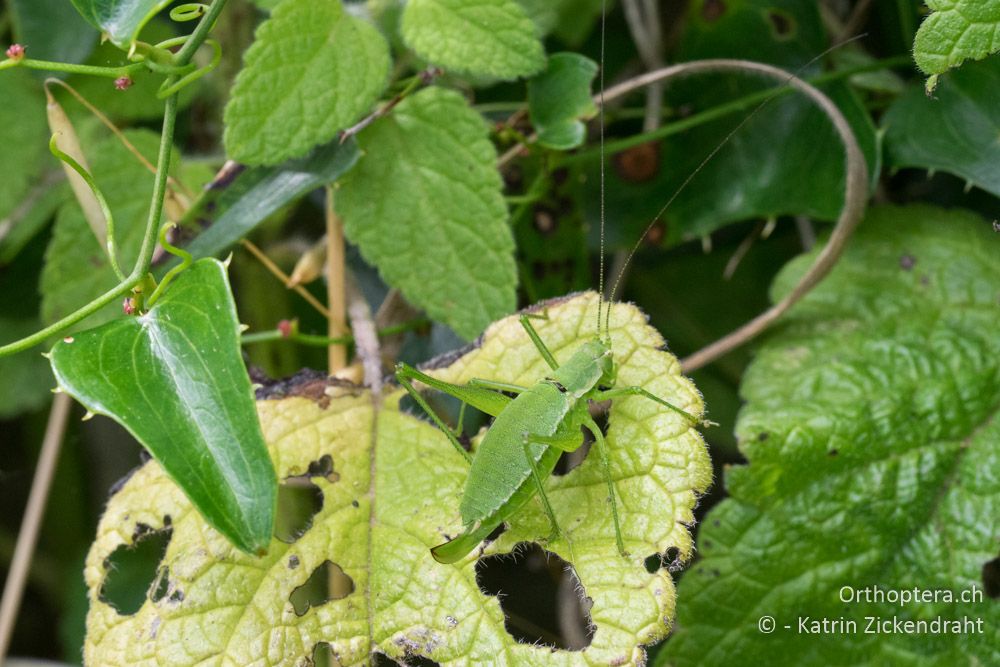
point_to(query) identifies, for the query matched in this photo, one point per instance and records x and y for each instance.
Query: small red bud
(128, 305)
(15, 51)
(123, 83)
(285, 327)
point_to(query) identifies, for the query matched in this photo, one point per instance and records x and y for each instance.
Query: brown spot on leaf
(639, 163)
(712, 10)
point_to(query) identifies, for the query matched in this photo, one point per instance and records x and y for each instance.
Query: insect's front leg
(618, 392)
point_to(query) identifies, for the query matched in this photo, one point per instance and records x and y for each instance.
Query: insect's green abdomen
(499, 469)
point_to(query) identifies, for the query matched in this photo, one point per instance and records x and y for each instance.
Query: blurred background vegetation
(704, 268)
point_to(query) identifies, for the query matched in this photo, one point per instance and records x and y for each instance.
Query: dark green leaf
(956, 130)
(175, 379)
(870, 429)
(120, 19)
(233, 208)
(560, 97)
(424, 206)
(52, 30)
(760, 171)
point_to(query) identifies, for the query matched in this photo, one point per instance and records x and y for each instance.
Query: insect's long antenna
(600, 275)
(778, 90)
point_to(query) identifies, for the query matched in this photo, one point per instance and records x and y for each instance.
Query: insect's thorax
(590, 366)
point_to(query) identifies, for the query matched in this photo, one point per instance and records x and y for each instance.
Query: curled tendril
(188, 12)
(102, 202)
(172, 273)
(168, 88)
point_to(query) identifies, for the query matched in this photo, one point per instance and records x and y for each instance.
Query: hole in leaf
(299, 499)
(327, 582)
(991, 578)
(670, 560)
(539, 595)
(382, 660)
(782, 24)
(133, 571)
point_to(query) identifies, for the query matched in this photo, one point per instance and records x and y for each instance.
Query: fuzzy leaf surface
(175, 379)
(396, 494)
(956, 31)
(424, 205)
(493, 38)
(312, 70)
(871, 433)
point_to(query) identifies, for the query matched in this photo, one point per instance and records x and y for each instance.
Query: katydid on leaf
(529, 432)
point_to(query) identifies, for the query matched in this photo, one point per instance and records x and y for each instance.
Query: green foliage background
(857, 441)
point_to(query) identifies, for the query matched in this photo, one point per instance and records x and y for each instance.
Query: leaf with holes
(393, 494)
(871, 432)
(492, 38)
(312, 70)
(175, 379)
(120, 19)
(956, 31)
(425, 206)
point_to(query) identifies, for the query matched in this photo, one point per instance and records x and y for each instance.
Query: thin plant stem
(336, 299)
(27, 537)
(284, 277)
(72, 68)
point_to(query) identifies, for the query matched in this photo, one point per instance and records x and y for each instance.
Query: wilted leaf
(425, 207)
(175, 379)
(955, 31)
(871, 432)
(312, 70)
(479, 37)
(229, 608)
(76, 266)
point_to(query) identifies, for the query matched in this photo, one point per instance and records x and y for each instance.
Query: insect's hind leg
(602, 449)
(639, 391)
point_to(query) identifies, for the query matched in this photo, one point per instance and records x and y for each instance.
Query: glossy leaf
(870, 429)
(312, 70)
(232, 208)
(559, 98)
(954, 131)
(493, 38)
(175, 379)
(396, 492)
(120, 19)
(955, 31)
(425, 207)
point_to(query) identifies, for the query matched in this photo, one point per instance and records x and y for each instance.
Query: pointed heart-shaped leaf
(174, 378)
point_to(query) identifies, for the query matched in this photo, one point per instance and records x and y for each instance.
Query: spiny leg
(602, 449)
(639, 391)
(525, 442)
(486, 400)
(537, 340)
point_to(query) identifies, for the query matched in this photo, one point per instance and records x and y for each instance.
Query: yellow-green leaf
(396, 494)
